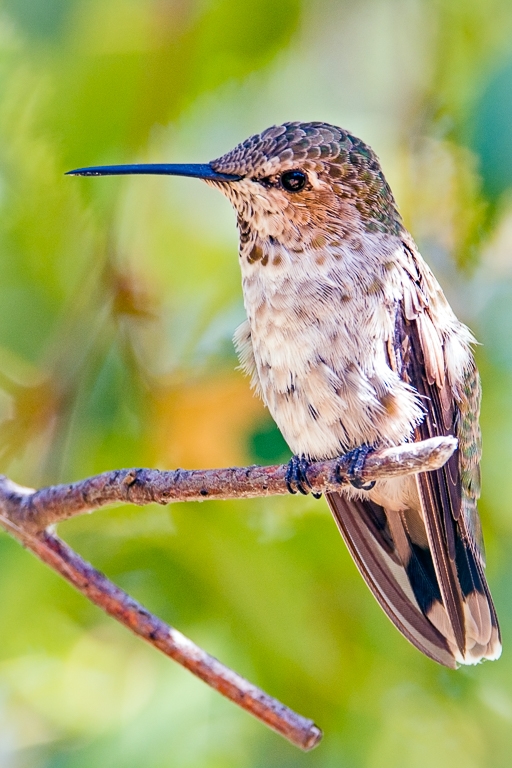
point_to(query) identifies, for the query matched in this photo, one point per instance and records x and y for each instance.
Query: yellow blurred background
(118, 300)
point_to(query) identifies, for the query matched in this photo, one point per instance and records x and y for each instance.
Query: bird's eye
(293, 181)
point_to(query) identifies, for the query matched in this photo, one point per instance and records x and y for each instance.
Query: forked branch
(27, 514)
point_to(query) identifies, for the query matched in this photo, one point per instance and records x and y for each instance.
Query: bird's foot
(296, 477)
(356, 461)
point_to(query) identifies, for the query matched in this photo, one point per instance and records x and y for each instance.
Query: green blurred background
(118, 299)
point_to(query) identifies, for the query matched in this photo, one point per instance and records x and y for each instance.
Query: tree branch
(27, 514)
(36, 510)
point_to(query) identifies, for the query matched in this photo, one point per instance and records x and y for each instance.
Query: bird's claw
(356, 461)
(296, 477)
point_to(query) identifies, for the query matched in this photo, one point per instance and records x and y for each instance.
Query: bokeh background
(118, 299)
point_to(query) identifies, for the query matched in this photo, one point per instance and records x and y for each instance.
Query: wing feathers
(424, 564)
(455, 554)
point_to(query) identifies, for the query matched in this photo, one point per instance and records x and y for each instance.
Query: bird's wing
(426, 568)
(448, 496)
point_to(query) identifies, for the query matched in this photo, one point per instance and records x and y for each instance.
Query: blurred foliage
(118, 300)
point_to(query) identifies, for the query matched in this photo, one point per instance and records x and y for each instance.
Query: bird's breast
(319, 344)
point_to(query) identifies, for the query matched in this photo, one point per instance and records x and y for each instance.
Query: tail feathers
(480, 621)
(401, 574)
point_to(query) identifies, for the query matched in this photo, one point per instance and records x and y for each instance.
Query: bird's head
(296, 185)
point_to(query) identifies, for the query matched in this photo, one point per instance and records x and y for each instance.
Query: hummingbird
(352, 345)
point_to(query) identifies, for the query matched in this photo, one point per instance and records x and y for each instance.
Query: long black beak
(197, 171)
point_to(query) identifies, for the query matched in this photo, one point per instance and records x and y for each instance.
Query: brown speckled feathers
(350, 342)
